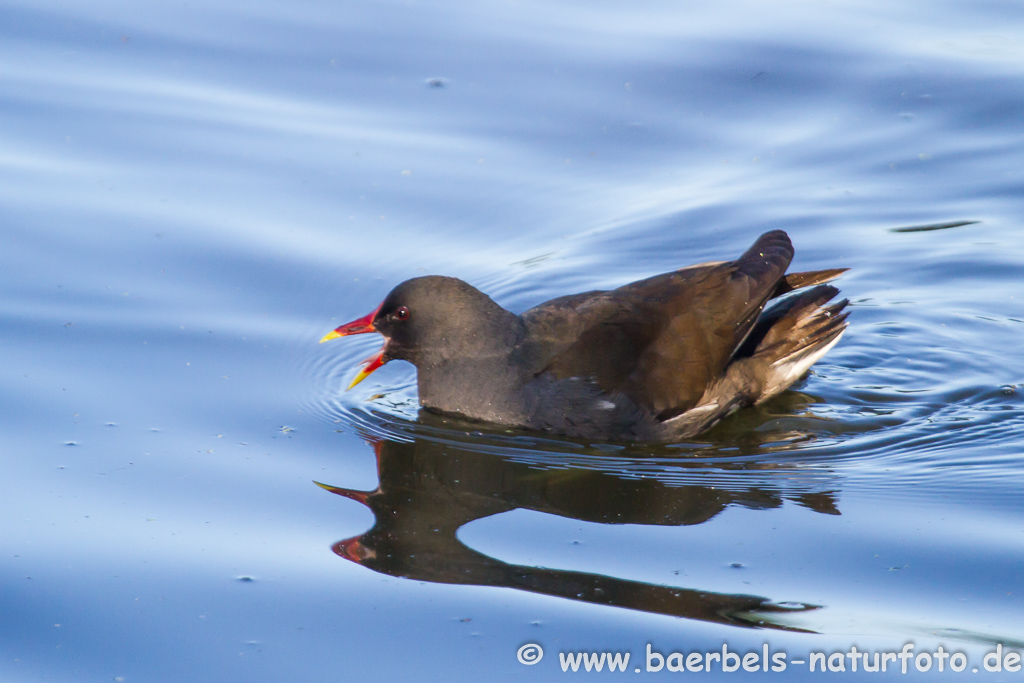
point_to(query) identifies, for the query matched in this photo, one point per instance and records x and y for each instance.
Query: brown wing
(662, 340)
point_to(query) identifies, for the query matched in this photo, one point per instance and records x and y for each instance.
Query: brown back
(662, 340)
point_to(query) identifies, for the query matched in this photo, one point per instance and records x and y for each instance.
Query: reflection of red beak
(352, 494)
(352, 549)
(359, 326)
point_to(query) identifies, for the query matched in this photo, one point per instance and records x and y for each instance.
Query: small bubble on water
(1008, 389)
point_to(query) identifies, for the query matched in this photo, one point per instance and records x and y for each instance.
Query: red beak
(359, 326)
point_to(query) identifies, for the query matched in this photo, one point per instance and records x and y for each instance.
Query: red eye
(402, 313)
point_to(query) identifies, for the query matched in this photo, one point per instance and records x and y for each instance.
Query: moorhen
(656, 360)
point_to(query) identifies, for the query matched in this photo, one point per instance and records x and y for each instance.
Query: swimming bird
(659, 359)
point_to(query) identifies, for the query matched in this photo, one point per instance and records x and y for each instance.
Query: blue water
(192, 195)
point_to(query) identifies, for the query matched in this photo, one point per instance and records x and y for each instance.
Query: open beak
(359, 326)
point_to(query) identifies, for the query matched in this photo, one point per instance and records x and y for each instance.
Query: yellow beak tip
(333, 334)
(360, 376)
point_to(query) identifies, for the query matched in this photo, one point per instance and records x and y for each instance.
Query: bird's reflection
(432, 486)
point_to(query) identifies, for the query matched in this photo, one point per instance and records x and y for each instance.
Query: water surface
(193, 195)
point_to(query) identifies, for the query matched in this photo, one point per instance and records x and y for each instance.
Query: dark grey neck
(484, 380)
